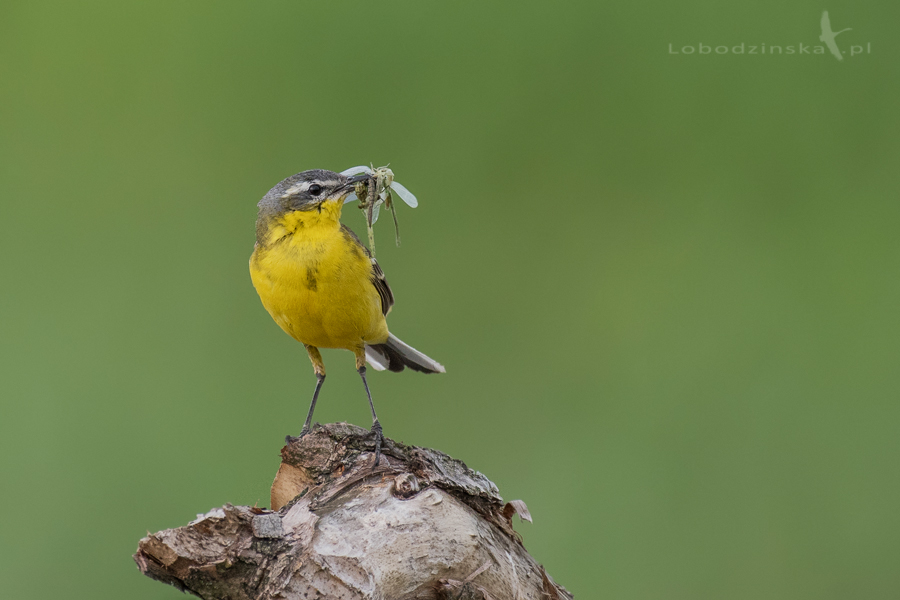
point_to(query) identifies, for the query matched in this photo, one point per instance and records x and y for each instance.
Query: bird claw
(289, 439)
(379, 439)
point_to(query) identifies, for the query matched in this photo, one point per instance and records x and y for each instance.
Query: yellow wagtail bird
(321, 284)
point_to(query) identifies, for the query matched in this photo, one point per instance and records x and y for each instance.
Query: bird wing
(825, 22)
(384, 290)
(377, 276)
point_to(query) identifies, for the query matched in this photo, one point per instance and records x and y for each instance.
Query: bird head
(314, 190)
(308, 191)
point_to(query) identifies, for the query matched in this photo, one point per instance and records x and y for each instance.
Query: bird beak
(357, 178)
(350, 186)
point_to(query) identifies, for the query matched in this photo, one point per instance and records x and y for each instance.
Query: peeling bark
(418, 526)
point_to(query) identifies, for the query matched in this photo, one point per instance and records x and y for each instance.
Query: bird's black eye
(315, 189)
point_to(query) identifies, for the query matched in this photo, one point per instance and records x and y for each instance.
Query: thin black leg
(376, 426)
(320, 378)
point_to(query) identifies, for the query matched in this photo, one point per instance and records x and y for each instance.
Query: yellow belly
(317, 286)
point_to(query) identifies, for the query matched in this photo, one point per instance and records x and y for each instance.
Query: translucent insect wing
(356, 171)
(406, 195)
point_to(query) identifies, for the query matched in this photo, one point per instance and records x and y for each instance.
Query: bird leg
(319, 368)
(320, 378)
(376, 426)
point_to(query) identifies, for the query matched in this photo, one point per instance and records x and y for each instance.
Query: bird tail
(394, 355)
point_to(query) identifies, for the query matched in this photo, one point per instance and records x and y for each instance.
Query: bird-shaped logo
(828, 36)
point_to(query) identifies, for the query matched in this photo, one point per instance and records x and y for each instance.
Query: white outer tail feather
(380, 362)
(376, 359)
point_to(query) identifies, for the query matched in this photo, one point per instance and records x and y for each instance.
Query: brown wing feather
(377, 279)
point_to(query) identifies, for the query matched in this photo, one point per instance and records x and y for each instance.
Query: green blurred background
(665, 287)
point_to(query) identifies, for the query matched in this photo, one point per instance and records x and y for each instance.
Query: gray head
(303, 191)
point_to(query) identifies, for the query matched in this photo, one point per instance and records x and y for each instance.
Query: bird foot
(289, 439)
(379, 439)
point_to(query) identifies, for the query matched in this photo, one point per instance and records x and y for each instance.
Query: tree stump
(418, 526)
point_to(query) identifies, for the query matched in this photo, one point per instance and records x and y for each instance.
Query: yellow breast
(315, 281)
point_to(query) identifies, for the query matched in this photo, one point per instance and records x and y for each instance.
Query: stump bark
(420, 525)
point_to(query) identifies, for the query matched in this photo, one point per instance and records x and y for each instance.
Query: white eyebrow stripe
(296, 189)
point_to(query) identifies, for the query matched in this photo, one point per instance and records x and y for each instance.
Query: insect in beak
(354, 180)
